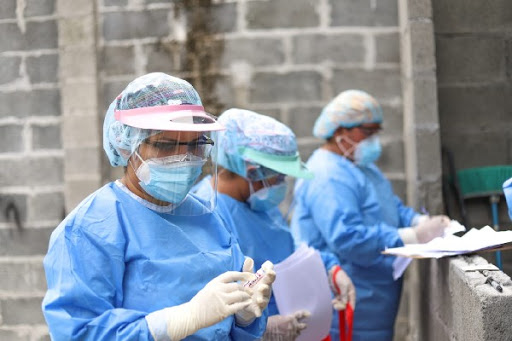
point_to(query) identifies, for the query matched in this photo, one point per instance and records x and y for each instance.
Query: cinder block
(22, 310)
(8, 9)
(78, 190)
(382, 84)
(20, 172)
(14, 334)
(484, 107)
(302, 119)
(13, 204)
(20, 275)
(392, 158)
(38, 35)
(68, 8)
(39, 7)
(393, 122)
(418, 9)
(37, 102)
(80, 98)
(387, 48)
(80, 131)
(77, 30)
(46, 137)
(47, 206)
(223, 94)
(25, 242)
(118, 60)
(213, 18)
(422, 46)
(43, 69)
(429, 152)
(460, 16)
(77, 157)
(10, 69)
(424, 98)
(289, 87)
(111, 89)
(269, 51)
(364, 13)
(164, 57)
(115, 2)
(11, 138)
(477, 150)
(339, 48)
(470, 59)
(78, 62)
(135, 25)
(279, 13)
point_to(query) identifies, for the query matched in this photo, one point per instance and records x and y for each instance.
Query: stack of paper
(474, 240)
(301, 284)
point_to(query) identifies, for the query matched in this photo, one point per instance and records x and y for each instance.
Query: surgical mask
(364, 152)
(367, 151)
(170, 178)
(267, 197)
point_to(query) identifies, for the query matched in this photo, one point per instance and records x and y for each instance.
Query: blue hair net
(246, 129)
(153, 89)
(349, 109)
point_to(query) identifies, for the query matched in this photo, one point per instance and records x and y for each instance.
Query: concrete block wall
(281, 60)
(474, 73)
(460, 305)
(31, 161)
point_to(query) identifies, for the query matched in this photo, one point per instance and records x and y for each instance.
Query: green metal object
(483, 181)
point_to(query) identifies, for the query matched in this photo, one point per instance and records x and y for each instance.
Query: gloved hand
(285, 327)
(260, 292)
(347, 293)
(431, 228)
(221, 297)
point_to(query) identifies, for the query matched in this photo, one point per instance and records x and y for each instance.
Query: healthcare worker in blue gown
(141, 258)
(256, 153)
(349, 208)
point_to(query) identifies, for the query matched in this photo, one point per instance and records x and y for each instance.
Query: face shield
(169, 161)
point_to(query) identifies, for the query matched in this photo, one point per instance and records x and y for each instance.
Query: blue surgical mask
(267, 197)
(169, 178)
(367, 151)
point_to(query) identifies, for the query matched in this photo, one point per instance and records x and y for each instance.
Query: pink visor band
(186, 117)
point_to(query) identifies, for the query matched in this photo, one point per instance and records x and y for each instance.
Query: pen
(494, 283)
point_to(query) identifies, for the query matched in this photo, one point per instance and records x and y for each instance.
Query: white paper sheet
(400, 264)
(301, 283)
(474, 240)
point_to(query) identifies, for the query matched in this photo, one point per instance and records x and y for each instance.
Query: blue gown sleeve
(85, 287)
(340, 222)
(405, 213)
(329, 259)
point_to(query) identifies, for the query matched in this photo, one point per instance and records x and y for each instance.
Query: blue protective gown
(261, 235)
(352, 212)
(507, 190)
(113, 260)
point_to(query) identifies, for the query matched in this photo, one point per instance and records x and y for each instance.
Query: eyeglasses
(201, 146)
(367, 131)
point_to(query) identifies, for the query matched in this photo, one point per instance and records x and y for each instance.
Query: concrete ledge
(457, 304)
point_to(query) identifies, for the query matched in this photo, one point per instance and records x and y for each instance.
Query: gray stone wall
(283, 60)
(31, 157)
(474, 73)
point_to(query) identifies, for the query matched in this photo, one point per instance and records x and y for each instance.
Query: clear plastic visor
(168, 164)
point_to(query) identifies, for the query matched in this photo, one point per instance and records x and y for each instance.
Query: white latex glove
(347, 293)
(221, 297)
(285, 327)
(431, 228)
(260, 292)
